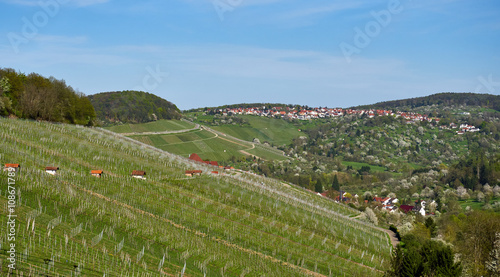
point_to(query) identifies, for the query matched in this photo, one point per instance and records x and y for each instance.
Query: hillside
(33, 96)
(184, 138)
(233, 224)
(132, 107)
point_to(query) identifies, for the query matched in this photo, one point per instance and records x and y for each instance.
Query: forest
(33, 96)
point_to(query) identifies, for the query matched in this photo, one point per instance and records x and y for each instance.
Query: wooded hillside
(33, 96)
(132, 107)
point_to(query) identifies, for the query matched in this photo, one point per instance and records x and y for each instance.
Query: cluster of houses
(388, 203)
(315, 113)
(462, 129)
(52, 170)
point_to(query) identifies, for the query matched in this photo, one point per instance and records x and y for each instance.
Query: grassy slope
(232, 225)
(208, 145)
(154, 126)
(275, 131)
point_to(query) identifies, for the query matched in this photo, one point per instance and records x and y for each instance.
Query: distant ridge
(446, 98)
(132, 107)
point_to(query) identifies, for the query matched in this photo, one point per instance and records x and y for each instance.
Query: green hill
(132, 107)
(236, 224)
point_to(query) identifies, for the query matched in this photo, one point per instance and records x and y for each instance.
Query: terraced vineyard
(236, 224)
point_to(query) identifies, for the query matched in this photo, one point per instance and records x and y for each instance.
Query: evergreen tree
(336, 184)
(318, 187)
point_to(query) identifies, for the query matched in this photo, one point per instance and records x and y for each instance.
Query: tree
(475, 240)
(493, 264)
(371, 216)
(336, 184)
(416, 256)
(318, 187)
(431, 225)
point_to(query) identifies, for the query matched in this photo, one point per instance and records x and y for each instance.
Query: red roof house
(16, 167)
(195, 157)
(406, 208)
(96, 173)
(193, 172)
(51, 170)
(139, 174)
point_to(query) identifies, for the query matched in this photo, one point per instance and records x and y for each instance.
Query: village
(321, 113)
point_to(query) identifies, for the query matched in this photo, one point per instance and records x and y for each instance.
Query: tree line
(36, 97)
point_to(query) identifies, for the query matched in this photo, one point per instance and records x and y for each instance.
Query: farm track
(233, 140)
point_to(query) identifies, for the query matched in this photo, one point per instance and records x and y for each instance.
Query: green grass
(234, 224)
(155, 126)
(357, 166)
(474, 204)
(274, 131)
(266, 154)
(206, 144)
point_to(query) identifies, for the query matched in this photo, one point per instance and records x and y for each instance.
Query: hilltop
(132, 107)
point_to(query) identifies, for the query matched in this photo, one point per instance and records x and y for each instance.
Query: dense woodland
(33, 96)
(132, 107)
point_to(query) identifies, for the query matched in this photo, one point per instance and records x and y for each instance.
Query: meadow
(235, 224)
(154, 126)
(271, 130)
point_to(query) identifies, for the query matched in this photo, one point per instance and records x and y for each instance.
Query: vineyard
(231, 224)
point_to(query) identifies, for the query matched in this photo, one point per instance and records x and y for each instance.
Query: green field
(474, 204)
(238, 224)
(208, 145)
(154, 126)
(274, 131)
(357, 166)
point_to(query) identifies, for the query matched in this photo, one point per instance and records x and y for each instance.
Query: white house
(52, 170)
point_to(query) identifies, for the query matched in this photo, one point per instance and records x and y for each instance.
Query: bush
(396, 231)
(417, 256)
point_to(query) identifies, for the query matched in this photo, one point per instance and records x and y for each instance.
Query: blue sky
(199, 53)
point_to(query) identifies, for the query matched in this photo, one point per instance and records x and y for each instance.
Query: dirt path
(392, 235)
